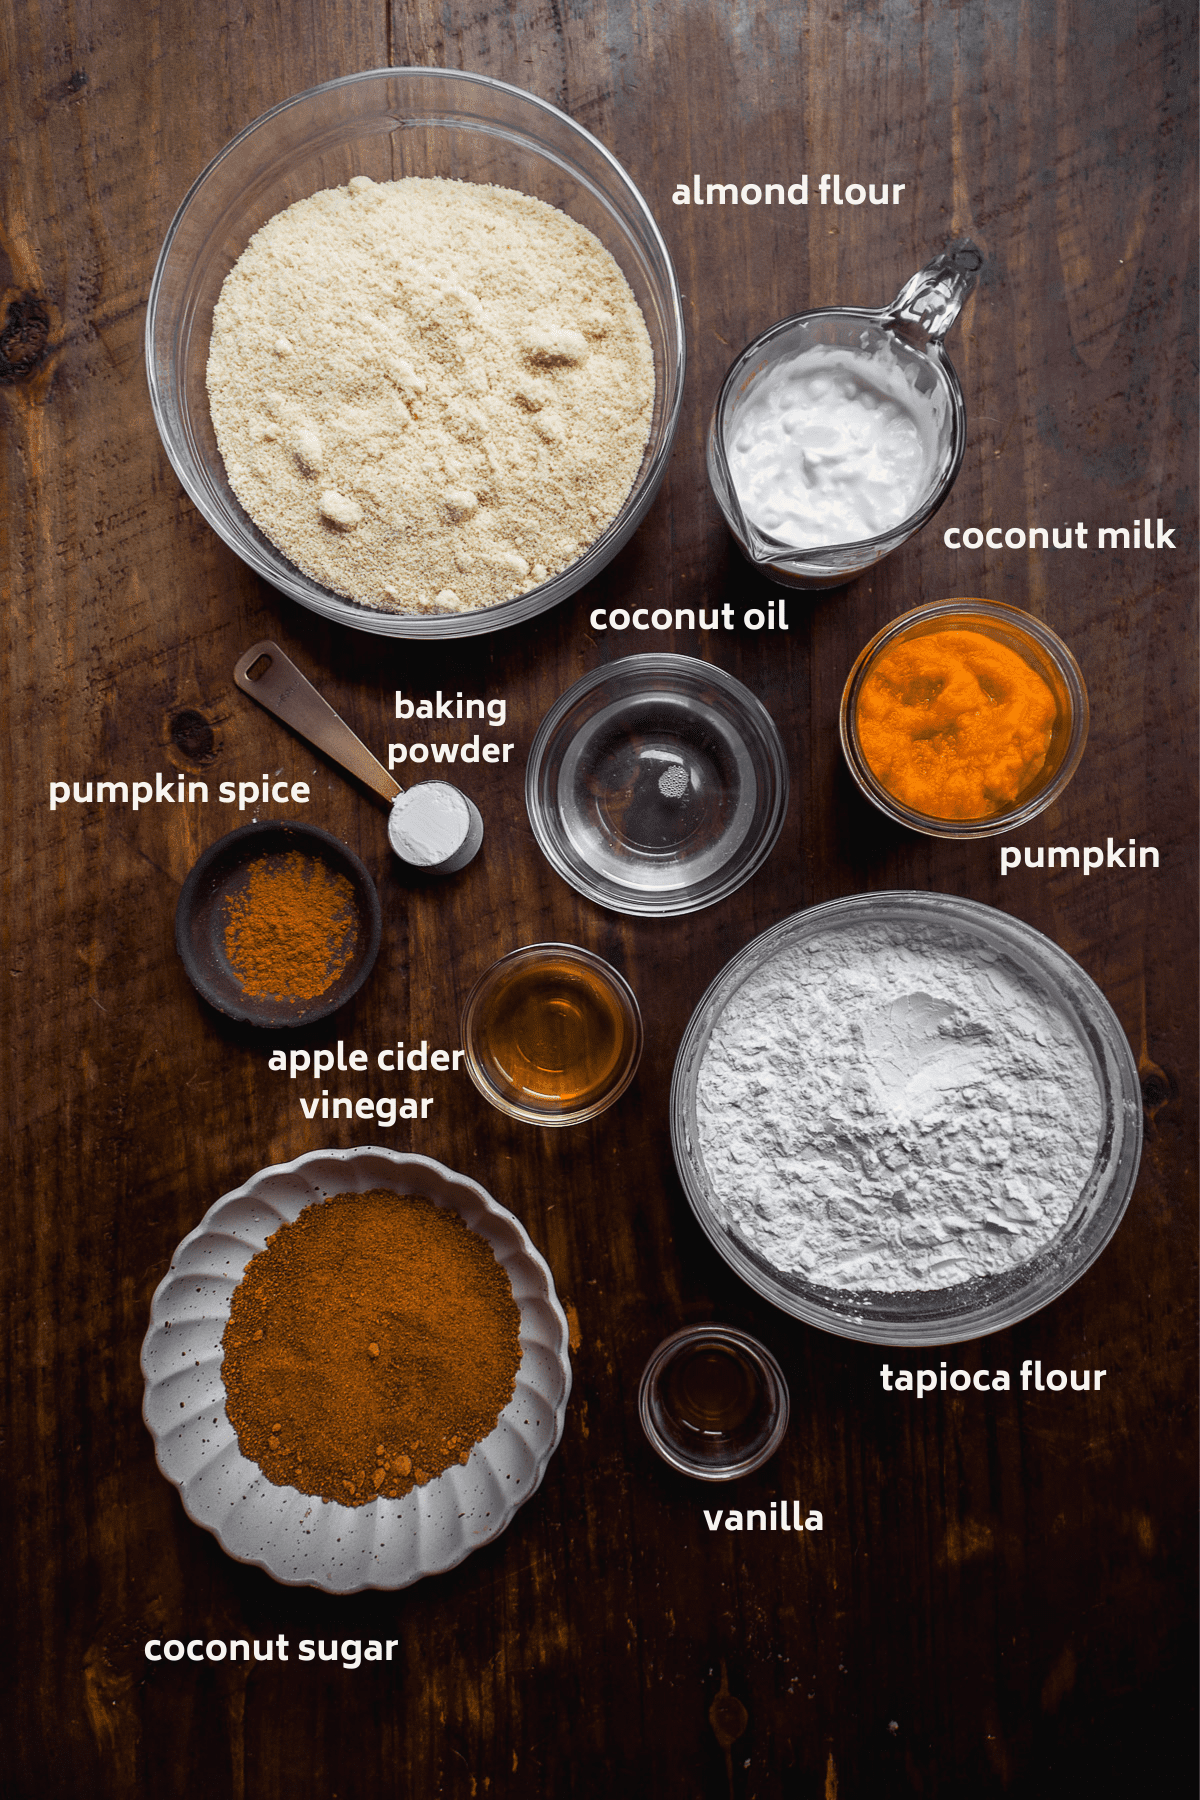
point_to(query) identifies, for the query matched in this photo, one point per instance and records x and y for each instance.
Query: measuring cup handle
(271, 678)
(930, 301)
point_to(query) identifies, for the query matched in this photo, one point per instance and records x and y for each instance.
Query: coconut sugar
(430, 395)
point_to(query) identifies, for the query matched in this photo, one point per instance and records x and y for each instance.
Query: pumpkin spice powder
(291, 930)
(371, 1343)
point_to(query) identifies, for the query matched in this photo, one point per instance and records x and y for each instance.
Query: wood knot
(1158, 1088)
(24, 338)
(193, 736)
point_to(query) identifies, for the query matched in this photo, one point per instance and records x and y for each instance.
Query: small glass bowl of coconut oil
(552, 1034)
(657, 785)
(838, 433)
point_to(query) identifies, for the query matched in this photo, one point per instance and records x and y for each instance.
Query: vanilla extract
(713, 1402)
(712, 1390)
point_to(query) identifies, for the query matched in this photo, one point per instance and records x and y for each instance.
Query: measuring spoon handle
(283, 690)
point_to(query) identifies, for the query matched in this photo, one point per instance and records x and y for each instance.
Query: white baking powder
(894, 1107)
(429, 824)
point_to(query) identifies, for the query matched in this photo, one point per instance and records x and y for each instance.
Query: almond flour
(430, 395)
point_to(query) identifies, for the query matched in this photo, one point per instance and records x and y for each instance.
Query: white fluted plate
(296, 1538)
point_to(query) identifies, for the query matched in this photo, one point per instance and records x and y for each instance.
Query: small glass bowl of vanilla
(964, 719)
(714, 1403)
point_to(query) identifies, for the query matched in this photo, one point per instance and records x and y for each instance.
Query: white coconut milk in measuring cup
(839, 432)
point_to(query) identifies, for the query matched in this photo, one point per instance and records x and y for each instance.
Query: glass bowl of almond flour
(444, 396)
(906, 1118)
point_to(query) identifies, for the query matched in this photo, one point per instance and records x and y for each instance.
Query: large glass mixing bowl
(391, 123)
(969, 1309)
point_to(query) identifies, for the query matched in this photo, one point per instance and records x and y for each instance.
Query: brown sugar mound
(369, 1346)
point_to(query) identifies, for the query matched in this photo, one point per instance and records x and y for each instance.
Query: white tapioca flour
(893, 1107)
(429, 394)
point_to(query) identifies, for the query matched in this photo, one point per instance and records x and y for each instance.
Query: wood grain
(999, 1604)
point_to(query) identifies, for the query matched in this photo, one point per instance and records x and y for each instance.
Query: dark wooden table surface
(1001, 1600)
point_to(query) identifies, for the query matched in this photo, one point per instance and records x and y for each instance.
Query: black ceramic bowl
(221, 873)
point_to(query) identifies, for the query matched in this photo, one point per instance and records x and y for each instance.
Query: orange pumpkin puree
(955, 724)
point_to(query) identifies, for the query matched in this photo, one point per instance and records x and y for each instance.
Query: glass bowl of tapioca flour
(906, 1118)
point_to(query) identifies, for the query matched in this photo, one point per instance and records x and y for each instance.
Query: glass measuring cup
(902, 341)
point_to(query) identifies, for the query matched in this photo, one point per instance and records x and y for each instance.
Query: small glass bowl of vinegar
(552, 1034)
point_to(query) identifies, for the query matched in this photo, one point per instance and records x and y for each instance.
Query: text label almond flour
(828, 190)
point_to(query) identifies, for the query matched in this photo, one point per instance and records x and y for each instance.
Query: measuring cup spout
(763, 553)
(930, 301)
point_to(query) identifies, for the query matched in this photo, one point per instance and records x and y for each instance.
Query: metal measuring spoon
(433, 827)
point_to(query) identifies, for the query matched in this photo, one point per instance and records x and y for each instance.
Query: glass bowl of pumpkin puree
(964, 719)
